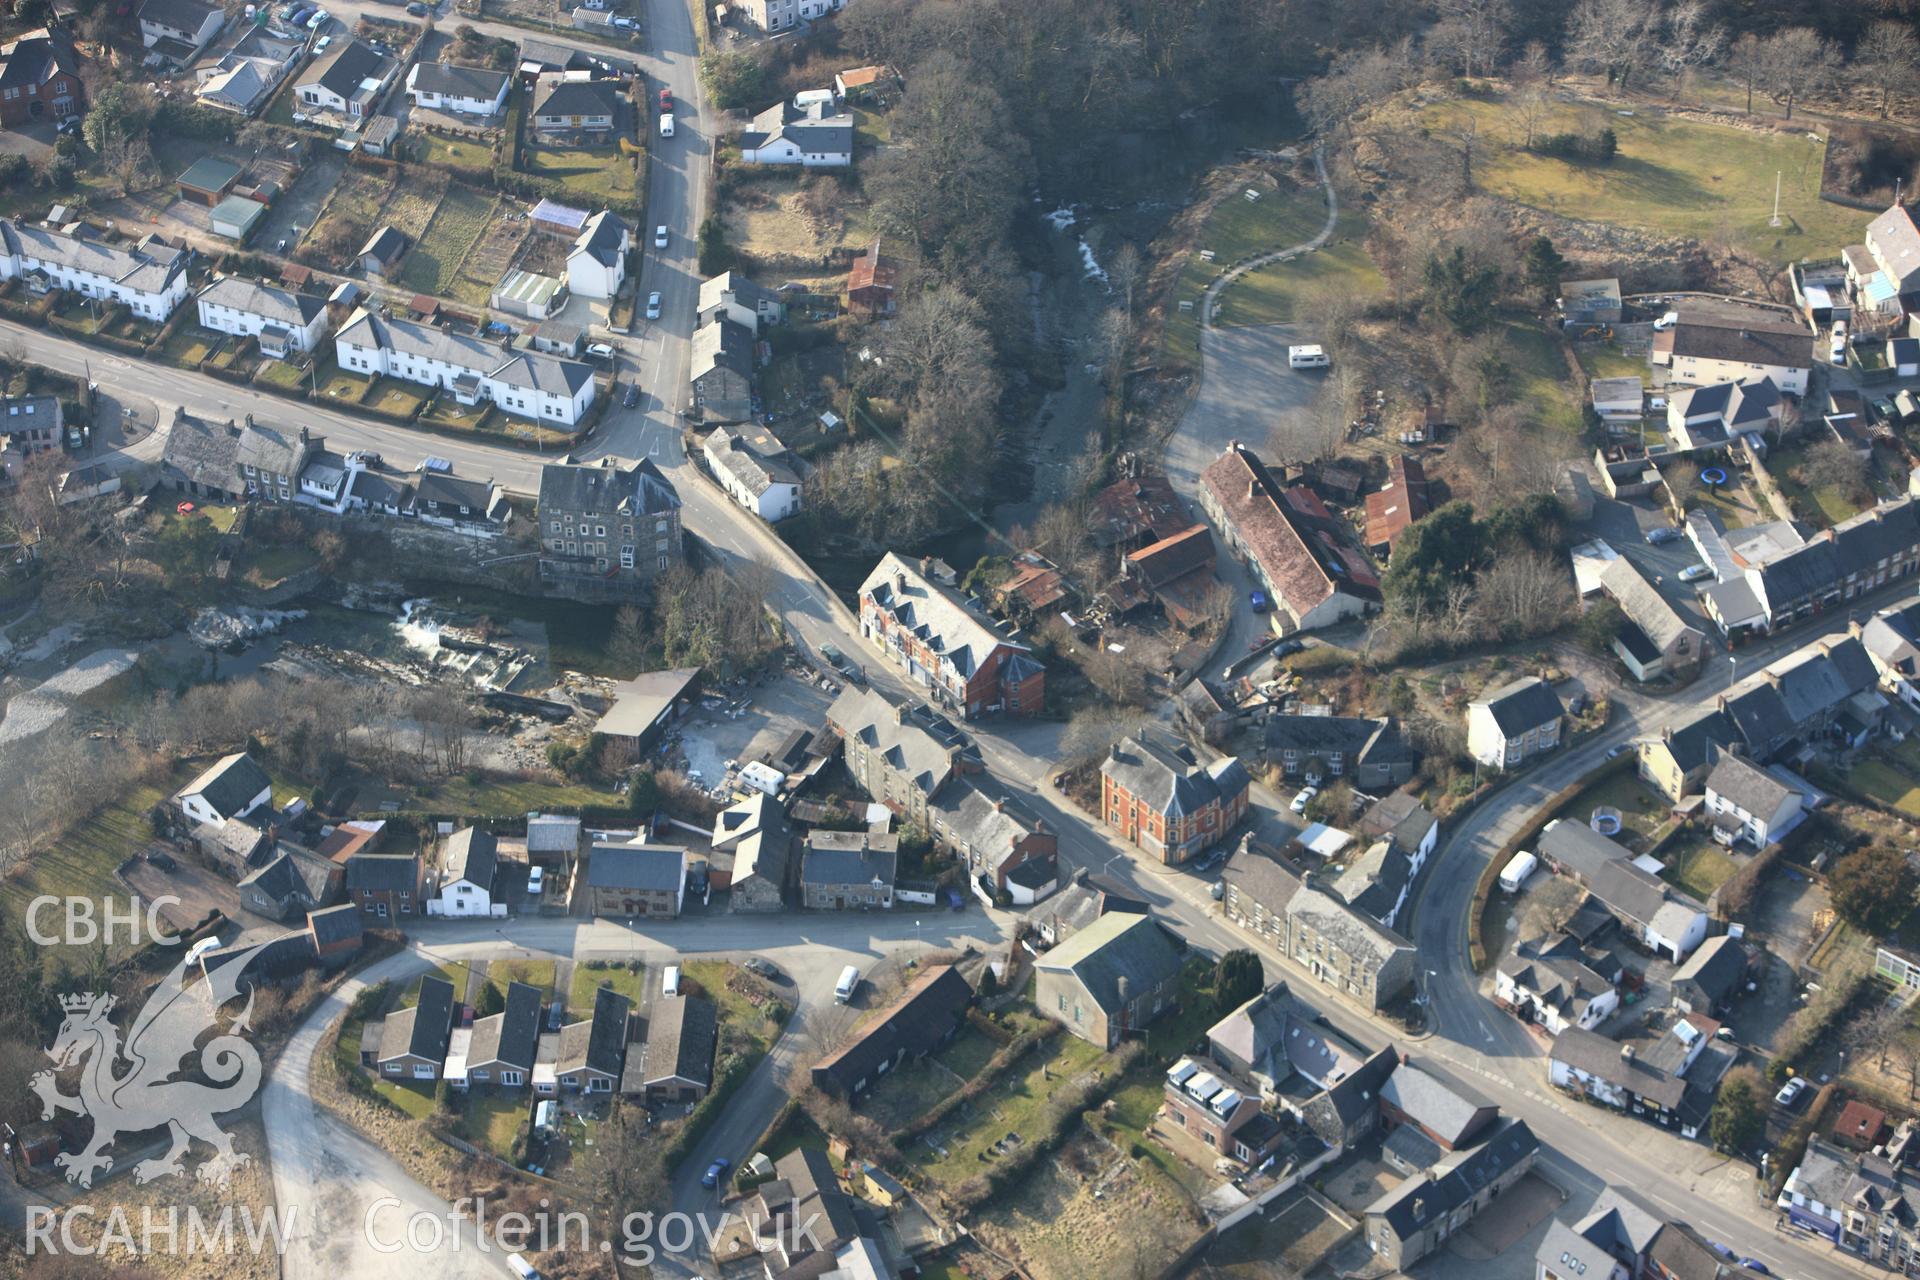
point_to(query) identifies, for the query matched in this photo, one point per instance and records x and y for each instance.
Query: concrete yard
(713, 735)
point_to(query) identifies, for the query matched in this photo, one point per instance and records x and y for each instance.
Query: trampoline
(1713, 476)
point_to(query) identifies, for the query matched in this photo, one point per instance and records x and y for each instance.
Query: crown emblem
(81, 1002)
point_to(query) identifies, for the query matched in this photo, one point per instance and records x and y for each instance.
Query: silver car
(653, 306)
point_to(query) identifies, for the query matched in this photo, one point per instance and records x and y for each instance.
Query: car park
(1303, 799)
(660, 237)
(653, 305)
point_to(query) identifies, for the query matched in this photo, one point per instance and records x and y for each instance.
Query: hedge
(1793, 1147)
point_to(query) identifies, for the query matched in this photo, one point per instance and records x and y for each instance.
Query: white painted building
(756, 471)
(185, 23)
(231, 787)
(779, 15)
(282, 320)
(468, 864)
(468, 91)
(597, 263)
(529, 384)
(1749, 803)
(150, 278)
(816, 136)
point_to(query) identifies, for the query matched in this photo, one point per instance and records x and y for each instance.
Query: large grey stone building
(607, 533)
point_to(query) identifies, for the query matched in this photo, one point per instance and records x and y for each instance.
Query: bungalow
(1302, 556)
(1110, 979)
(1589, 302)
(1514, 723)
(571, 106)
(927, 1015)
(593, 1052)
(295, 882)
(677, 1064)
(413, 1041)
(282, 320)
(349, 79)
(473, 91)
(503, 1045)
(1620, 402)
(817, 135)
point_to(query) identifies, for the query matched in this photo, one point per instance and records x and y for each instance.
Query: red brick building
(40, 78)
(926, 629)
(1155, 792)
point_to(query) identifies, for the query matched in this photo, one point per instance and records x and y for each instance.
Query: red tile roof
(872, 270)
(1304, 552)
(1859, 1125)
(1392, 510)
(1171, 559)
(1037, 585)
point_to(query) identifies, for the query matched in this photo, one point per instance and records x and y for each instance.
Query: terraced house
(1155, 792)
(607, 532)
(283, 321)
(150, 278)
(527, 384)
(926, 629)
(1792, 579)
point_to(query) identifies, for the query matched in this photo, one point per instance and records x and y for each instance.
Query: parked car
(600, 350)
(536, 881)
(417, 9)
(660, 237)
(1883, 410)
(653, 305)
(1666, 321)
(1694, 572)
(1614, 752)
(632, 397)
(1287, 648)
(1790, 1091)
(1258, 600)
(1661, 536)
(1839, 349)
(765, 968)
(1303, 798)
(1754, 1264)
(715, 1171)
(666, 99)
(162, 859)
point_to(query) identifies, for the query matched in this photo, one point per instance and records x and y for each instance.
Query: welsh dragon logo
(130, 1088)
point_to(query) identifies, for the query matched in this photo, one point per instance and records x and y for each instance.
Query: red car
(666, 99)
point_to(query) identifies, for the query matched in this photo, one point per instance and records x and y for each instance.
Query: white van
(1314, 357)
(1517, 871)
(848, 984)
(666, 126)
(670, 984)
(521, 1267)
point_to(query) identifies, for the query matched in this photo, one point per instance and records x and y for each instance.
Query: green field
(82, 863)
(961, 1147)
(742, 1023)
(495, 1118)
(1607, 360)
(1275, 293)
(452, 972)
(1543, 385)
(1675, 177)
(490, 796)
(1695, 863)
(535, 973)
(1237, 228)
(281, 373)
(1886, 784)
(392, 396)
(457, 226)
(586, 980)
(590, 173)
(415, 1097)
(465, 153)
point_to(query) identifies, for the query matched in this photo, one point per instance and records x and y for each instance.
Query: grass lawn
(1882, 782)
(268, 565)
(1276, 293)
(465, 153)
(499, 796)
(969, 1053)
(338, 385)
(798, 1133)
(415, 1097)
(1641, 810)
(1236, 229)
(587, 172)
(188, 345)
(392, 396)
(82, 863)
(1695, 863)
(1542, 382)
(1678, 177)
(587, 980)
(454, 973)
(1825, 502)
(535, 973)
(961, 1148)
(457, 226)
(741, 1020)
(494, 1119)
(445, 411)
(873, 128)
(281, 373)
(1607, 360)
(1731, 513)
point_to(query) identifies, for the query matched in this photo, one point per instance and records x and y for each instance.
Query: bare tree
(1472, 34)
(1124, 273)
(1529, 105)
(1886, 57)
(1092, 730)
(1831, 464)
(1798, 62)
(1747, 60)
(1615, 36)
(1533, 68)
(1683, 481)
(1523, 594)
(1689, 38)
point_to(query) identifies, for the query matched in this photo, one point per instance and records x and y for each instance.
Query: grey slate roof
(181, 15)
(334, 924)
(1897, 242)
(511, 1035)
(149, 268)
(598, 1043)
(1520, 705)
(722, 344)
(1748, 786)
(1435, 1102)
(1456, 1181)
(1374, 881)
(382, 872)
(421, 1031)
(917, 742)
(601, 237)
(1716, 967)
(528, 370)
(681, 1034)
(743, 455)
(1157, 768)
(849, 858)
(282, 306)
(1644, 606)
(659, 868)
(1697, 740)
(1117, 946)
(1599, 1057)
(1714, 331)
(471, 855)
(270, 449)
(986, 817)
(458, 81)
(921, 1019)
(932, 612)
(1892, 636)
(343, 68)
(288, 876)
(1367, 743)
(385, 244)
(818, 128)
(639, 490)
(203, 452)
(556, 98)
(478, 496)
(1399, 815)
(228, 783)
(1350, 930)
(1262, 875)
